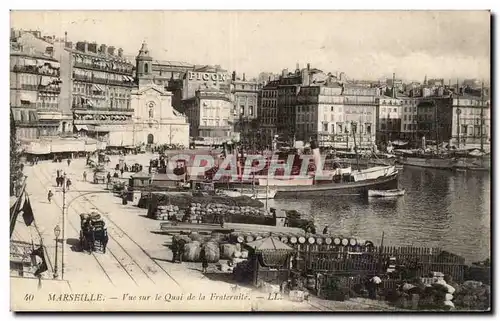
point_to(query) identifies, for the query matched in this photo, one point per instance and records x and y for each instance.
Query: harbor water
(449, 210)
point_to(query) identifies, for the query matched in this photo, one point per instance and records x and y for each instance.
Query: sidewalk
(78, 267)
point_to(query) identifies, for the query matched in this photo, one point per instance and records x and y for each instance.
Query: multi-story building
(360, 110)
(245, 95)
(409, 119)
(320, 115)
(288, 88)
(211, 116)
(389, 119)
(35, 86)
(462, 120)
(268, 112)
(99, 82)
(155, 120)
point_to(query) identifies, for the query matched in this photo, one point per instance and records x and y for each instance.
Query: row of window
(91, 89)
(81, 102)
(214, 122)
(269, 93)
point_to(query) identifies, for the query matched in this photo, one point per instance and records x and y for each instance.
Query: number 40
(29, 297)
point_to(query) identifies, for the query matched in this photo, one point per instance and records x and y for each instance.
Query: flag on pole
(28, 212)
(16, 209)
(42, 266)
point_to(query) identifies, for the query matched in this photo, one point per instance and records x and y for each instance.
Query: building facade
(389, 119)
(35, 85)
(245, 95)
(360, 110)
(100, 82)
(155, 121)
(211, 116)
(268, 112)
(320, 115)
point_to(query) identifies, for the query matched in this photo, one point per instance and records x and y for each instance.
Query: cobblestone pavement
(137, 262)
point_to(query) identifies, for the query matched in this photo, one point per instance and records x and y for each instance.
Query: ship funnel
(316, 157)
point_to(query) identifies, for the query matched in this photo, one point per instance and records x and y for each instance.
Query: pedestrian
(109, 177)
(68, 183)
(69, 161)
(174, 252)
(57, 181)
(58, 173)
(49, 196)
(204, 262)
(325, 230)
(84, 176)
(221, 221)
(121, 172)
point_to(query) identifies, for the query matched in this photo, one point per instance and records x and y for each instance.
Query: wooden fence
(408, 262)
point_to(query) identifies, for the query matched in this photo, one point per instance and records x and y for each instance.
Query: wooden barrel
(240, 239)
(337, 241)
(311, 240)
(284, 238)
(328, 240)
(345, 242)
(353, 242)
(293, 239)
(258, 237)
(302, 239)
(249, 238)
(319, 240)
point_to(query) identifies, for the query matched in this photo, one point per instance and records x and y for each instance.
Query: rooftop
(171, 63)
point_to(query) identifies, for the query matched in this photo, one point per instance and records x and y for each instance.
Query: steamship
(338, 181)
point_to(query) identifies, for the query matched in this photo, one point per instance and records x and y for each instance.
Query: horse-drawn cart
(93, 233)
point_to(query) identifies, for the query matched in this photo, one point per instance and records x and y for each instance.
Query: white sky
(363, 44)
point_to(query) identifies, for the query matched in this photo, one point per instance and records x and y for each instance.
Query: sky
(363, 44)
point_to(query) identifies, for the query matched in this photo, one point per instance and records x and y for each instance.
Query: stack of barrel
(297, 239)
(197, 209)
(165, 212)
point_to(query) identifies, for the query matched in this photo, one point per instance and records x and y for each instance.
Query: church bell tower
(144, 64)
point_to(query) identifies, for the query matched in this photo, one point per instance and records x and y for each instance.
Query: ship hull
(330, 189)
(473, 164)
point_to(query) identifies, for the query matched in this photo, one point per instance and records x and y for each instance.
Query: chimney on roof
(244, 78)
(233, 75)
(92, 47)
(393, 85)
(308, 66)
(111, 50)
(103, 49)
(65, 36)
(120, 52)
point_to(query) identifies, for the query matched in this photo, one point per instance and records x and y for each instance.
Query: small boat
(255, 193)
(386, 193)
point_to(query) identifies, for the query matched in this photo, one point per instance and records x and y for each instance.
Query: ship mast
(436, 124)
(353, 125)
(482, 116)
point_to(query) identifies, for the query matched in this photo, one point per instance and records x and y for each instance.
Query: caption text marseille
(228, 168)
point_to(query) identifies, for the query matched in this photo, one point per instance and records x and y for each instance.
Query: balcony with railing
(117, 70)
(37, 70)
(103, 81)
(50, 89)
(96, 110)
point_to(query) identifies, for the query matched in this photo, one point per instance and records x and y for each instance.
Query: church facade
(155, 121)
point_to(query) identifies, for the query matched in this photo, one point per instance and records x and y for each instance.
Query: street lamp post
(459, 111)
(63, 226)
(57, 232)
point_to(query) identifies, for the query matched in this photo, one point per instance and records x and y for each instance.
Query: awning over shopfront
(81, 127)
(97, 88)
